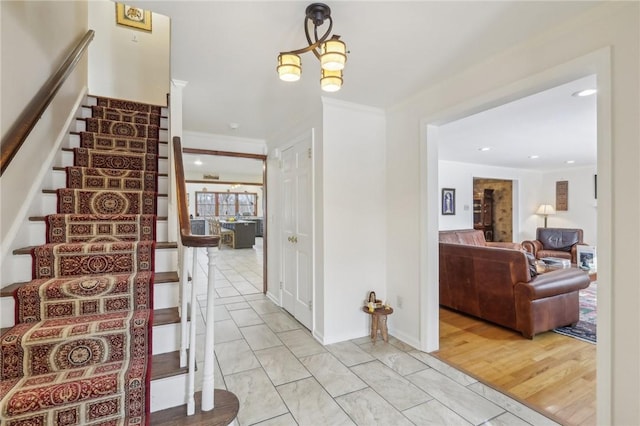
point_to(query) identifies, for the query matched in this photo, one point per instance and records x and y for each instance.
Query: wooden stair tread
(159, 245)
(225, 411)
(166, 365)
(158, 278)
(166, 316)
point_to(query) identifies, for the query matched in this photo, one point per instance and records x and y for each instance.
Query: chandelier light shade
(331, 81)
(334, 55)
(289, 67)
(330, 50)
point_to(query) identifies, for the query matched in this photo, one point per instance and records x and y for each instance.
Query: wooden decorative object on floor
(379, 322)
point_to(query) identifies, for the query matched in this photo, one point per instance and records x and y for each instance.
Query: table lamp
(545, 210)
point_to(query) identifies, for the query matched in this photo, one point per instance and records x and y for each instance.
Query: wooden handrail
(27, 120)
(188, 240)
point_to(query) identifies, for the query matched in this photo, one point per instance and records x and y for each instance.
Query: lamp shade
(546, 209)
(331, 81)
(289, 67)
(334, 55)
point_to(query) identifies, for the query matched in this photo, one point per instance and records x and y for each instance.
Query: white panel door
(296, 232)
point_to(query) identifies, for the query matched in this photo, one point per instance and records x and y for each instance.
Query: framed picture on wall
(448, 201)
(133, 17)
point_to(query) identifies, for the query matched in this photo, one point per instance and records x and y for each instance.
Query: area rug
(585, 330)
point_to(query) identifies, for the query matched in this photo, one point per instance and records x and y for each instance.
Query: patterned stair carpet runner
(92, 228)
(80, 350)
(111, 179)
(109, 142)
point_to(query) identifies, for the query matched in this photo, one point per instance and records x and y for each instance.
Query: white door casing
(297, 295)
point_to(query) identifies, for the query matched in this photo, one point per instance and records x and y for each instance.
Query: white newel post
(208, 370)
(175, 129)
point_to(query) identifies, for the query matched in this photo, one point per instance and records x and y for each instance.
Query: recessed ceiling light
(198, 162)
(533, 157)
(586, 92)
(484, 148)
(570, 161)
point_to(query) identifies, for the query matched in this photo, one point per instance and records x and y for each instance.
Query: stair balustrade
(188, 301)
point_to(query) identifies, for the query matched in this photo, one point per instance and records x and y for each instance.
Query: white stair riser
(49, 204)
(168, 392)
(17, 269)
(166, 260)
(169, 340)
(7, 312)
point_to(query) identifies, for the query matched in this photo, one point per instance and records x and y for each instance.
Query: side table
(379, 322)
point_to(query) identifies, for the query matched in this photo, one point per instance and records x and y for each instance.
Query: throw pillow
(533, 270)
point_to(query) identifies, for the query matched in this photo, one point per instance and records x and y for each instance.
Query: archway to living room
(432, 133)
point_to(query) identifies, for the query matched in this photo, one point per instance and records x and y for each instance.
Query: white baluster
(191, 402)
(184, 297)
(208, 370)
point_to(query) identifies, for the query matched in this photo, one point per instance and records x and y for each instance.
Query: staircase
(104, 281)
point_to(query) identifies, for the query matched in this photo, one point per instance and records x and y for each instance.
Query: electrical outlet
(399, 301)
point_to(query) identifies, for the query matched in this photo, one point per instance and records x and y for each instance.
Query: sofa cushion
(533, 269)
(558, 239)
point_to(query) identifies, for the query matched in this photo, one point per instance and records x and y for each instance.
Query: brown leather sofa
(496, 284)
(555, 242)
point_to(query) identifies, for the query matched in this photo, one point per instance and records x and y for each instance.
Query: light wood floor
(553, 374)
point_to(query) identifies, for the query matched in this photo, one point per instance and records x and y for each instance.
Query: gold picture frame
(133, 17)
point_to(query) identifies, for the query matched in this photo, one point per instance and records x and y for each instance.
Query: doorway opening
(230, 187)
(493, 208)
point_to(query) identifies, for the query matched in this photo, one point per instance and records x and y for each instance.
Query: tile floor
(283, 376)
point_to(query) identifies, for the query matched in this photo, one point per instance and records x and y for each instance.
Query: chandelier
(331, 52)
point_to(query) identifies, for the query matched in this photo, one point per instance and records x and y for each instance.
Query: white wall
(34, 45)
(354, 213)
(127, 63)
(560, 55)
(582, 206)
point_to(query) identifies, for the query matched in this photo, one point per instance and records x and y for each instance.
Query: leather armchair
(555, 242)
